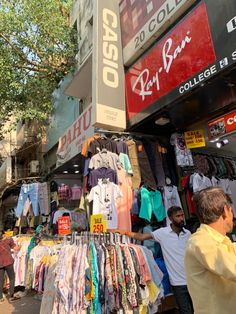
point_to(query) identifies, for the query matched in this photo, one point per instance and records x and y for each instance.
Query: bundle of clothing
(98, 277)
(114, 166)
(28, 259)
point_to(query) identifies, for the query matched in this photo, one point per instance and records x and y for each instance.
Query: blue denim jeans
(30, 191)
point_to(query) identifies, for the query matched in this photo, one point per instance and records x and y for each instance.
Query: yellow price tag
(98, 224)
(194, 139)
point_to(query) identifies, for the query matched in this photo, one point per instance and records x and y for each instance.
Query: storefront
(187, 78)
(178, 90)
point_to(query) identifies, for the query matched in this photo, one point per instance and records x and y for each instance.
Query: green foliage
(37, 49)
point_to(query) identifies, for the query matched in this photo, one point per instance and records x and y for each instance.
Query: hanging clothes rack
(125, 133)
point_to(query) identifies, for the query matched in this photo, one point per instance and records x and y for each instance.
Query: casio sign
(110, 49)
(231, 25)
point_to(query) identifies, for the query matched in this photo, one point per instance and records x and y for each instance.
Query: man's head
(213, 205)
(15, 231)
(176, 216)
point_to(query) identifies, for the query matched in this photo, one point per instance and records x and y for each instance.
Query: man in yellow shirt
(210, 258)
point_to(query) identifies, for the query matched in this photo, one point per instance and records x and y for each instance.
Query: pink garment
(144, 269)
(76, 192)
(124, 205)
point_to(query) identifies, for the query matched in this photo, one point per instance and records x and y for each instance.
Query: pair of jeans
(11, 275)
(30, 191)
(183, 299)
(44, 198)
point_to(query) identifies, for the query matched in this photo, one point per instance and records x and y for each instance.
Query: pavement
(25, 305)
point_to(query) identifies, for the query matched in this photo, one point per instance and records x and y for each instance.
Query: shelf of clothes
(209, 171)
(100, 275)
(116, 169)
(32, 262)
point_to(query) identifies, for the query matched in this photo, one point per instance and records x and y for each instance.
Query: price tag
(64, 225)
(194, 139)
(98, 224)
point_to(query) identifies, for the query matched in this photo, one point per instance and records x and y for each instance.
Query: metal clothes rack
(103, 237)
(125, 133)
(214, 154)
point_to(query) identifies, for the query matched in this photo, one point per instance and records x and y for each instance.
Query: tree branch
(19, 52)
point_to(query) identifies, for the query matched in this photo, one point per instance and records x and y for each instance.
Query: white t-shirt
(173, 249)
(232, 185)
(200, 182)
(171, 198)
(104, 197)
(182, 153)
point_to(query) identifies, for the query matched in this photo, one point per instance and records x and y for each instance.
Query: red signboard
(186, 50)
(64, 225)
(222, 125)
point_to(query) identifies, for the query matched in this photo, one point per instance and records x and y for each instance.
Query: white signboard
(70, 144)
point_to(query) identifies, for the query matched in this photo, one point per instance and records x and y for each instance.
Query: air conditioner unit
(34, 167)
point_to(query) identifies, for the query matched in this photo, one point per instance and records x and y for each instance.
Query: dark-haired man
(173, 240)
(210, 258)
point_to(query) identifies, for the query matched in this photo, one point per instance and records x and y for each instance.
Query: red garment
(6, 258)
(184, 185)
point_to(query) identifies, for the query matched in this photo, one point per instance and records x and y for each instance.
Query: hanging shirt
(125, 162)
(224, 184)
(182, 153)
(64, 192)
(98, 144)
(133, 155)
(104, 197)
(199, 182)
(171, 198)
(232, 185)
(151, 203)
(102, 173)
(76, 192)
(104, 159)
(125, 203)
(120, 146)
(59, 213)
(86, 144)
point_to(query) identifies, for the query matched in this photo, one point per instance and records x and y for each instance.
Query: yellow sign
(194, 139)
(98, 224)
(8, 233)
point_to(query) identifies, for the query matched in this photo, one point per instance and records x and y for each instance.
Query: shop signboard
(70, 144)
(194, 139)
(98, 224)
(184, 51)
(108, 85)
(199, 47)
(64, 225)
(222, 125)
(142, 22)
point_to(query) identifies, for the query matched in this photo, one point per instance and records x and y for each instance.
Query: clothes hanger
(104, 150)
(103, 136)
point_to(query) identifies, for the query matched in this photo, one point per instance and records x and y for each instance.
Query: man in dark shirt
(6, 264)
